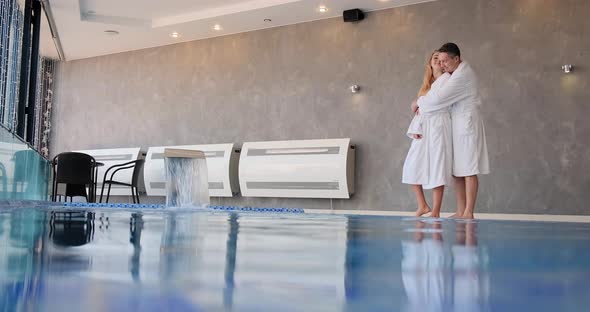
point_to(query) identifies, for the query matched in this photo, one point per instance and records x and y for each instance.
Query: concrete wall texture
(292, 83)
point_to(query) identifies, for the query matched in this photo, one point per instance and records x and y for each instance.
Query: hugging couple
(448, 135)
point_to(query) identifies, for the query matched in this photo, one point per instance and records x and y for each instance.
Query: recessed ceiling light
(217, 27)
(175, 35)
(323, 9)
(111, 32)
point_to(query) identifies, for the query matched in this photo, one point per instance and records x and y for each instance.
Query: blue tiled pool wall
(158, 206)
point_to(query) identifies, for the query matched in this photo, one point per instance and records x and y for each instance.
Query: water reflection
(230, 261)
(471, 280)
(426, 270)
(21, 259)
(373, 257)
(227, 261)
(141, 260)
(443, 277)
(135, 228)
(180, 247)
(71, 228)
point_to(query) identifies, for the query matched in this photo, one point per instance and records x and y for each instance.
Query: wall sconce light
(355, 88)
(568, 68)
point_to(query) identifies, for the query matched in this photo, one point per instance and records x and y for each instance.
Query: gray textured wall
(291, 83)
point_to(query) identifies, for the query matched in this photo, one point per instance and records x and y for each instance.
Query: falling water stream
(187, 184)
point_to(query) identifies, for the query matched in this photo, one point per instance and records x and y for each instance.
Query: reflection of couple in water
(439, 278)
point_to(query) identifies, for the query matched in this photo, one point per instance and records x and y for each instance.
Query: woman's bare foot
(467, 215)
(458, 213)
(435, 215)
(422, 210)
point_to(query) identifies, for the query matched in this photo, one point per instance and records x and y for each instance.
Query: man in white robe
(470, 153)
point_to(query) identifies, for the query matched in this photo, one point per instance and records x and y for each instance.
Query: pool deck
(480, 216)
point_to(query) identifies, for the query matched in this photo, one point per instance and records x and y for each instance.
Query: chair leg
(91, 196)
(101, 192)
(133, 194)
(108, 193)
(137, 194)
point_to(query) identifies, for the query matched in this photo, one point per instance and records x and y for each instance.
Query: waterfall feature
(187, 183)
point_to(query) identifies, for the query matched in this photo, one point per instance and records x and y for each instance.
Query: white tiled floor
(481, 216)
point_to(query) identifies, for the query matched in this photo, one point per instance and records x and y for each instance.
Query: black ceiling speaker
(353, 15)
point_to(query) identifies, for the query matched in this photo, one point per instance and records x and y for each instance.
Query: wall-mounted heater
(298, 169)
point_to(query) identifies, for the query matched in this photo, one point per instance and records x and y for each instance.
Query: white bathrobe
(470, 151)
(430, 160)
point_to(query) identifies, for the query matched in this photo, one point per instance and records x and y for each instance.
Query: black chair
(76, 171)
(136, 165)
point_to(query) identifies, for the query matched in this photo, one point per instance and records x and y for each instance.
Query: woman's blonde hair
(428, 76)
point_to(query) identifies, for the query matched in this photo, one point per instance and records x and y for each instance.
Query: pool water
(74, 259)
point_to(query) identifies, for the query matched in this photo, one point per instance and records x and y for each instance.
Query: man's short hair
(450, 49)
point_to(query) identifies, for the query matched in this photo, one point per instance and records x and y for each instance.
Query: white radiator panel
(222, 167)
(297, 169)
(111, 157)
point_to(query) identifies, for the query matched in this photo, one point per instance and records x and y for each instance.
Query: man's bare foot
(422, 210)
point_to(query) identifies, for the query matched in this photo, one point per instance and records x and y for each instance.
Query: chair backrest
(111, 157)
(136, 171)
(74, 168)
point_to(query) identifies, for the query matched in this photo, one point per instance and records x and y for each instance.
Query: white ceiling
(149, 23)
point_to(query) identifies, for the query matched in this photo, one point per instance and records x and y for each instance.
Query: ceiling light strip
(216, 12)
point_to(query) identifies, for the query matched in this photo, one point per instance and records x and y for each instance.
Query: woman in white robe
(429, 162)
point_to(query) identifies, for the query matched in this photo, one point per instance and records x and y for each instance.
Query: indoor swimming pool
(95, 259)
